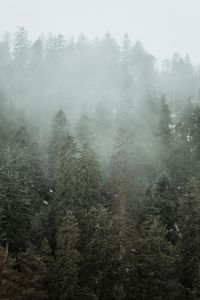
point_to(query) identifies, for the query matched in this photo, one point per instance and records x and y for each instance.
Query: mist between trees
(99, 171)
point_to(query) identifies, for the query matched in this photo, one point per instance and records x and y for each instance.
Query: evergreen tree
(157, 277)
(9, 278)
(20, 280)
(68, 257)
(161, 202)
(28, 167)
(165, 124)
(68, 180)
(14, 217)
(190, 132)
(21, 47)
(59, 131)
(122, 173)
(90, 177)
(30, 275)
(189, 244)
(49, 278)
(100, 272)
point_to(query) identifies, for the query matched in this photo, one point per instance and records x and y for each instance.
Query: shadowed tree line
(101, 202)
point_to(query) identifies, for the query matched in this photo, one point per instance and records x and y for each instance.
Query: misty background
(164, 27)
(99, 150)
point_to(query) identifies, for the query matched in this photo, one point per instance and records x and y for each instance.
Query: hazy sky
(164, 26)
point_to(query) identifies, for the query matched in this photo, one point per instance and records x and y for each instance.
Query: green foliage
(20, 281)
(59, 131)
(67, 257)
(70, 227)
(121, 172)
(161, 201)
(14, 218)
(68, 180)
(157, 265)
(9, 278)
(90, 177)
(100, 274)
(190, 232)
(164, 130)
(29, 268)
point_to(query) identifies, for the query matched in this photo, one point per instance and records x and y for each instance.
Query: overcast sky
(164, 26)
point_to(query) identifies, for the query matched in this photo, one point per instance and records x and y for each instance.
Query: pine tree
(100, 273)
(19, 280)
(59, 131)
(29, 169)
(68, 257)
(23, 190)
(40, 227)
(161, 202)
(9, 278)
(186, 164)
(190, 241)
(157, 258)
(193, 134)
(49, 276)
(68, 180)
(21, 47)
(90, 177)
(165, 124)
(29, 267)
(14, 217)
(126, 52)
(122, 173)
(143, 70)
(129, 255)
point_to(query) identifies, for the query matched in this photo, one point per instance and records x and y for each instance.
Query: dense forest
(99, 171)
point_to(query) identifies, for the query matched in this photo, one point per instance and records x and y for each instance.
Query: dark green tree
(100, 274)
(121, 177)
(165, 124)
(29, 267)
(161, 202)
(90, 177)
(68, 257)
(190, 238)
(9, 278)
(59, 131)
(68, 180)
(157, 274)
(14, 217)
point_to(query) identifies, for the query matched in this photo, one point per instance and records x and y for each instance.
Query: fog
(163, 26)
(99, 150)
(114, 84)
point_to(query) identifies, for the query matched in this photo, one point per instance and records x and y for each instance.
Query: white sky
(164, 26)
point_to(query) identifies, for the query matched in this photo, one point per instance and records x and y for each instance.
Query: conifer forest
(99, 170)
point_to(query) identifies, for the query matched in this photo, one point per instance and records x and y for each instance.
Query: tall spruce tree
(68, 257)
(90, 177)
(68, 180)
(122, 173)
(157, 259)
(165, 123)
(100, 272)
(190, 240)
(161, 202)
(9, 278)
(59, 131)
